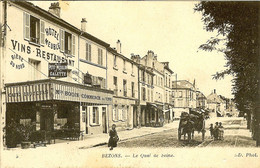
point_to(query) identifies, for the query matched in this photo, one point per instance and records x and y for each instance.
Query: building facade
(123, 80)
(184, 96)
(201, 101)
(216, 105)
(35, 43)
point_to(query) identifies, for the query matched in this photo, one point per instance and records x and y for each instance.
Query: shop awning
(49, 89)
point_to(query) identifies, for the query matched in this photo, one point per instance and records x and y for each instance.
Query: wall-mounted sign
(43, 91)
(58, 69)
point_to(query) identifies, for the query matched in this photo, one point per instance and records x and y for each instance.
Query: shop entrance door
(104, 120)
(46, 118)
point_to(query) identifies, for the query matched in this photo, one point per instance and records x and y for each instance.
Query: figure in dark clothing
(113, 137)
(220, 131)
(215, 131)
(211, 129)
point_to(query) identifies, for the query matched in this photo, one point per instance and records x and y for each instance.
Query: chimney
(118, 46)
(55, 9)
(214, 91)
(83, 24)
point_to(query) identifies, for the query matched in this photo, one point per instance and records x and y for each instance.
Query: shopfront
(52, 105)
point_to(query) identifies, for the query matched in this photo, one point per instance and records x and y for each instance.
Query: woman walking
(113, 137)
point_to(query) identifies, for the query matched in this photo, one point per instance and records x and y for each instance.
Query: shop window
(67, 42)
(100, 56)
(63, 111)
(95, 115)
(33, 29)
(88, 52)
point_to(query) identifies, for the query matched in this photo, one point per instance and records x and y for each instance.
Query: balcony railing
(35, 40)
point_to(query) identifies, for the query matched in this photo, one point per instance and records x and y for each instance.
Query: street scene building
(60, 83)
(122, 75)
(144, 81)
(184, 96)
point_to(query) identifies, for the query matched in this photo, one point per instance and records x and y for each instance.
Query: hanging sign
(58, 69)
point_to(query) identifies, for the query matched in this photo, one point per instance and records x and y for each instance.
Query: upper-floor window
(143, 95)
(124, 65)
(166, 80)
(125, 87)
(132, 67)
(88, 52)
(133, 89)
(180, 93)
(115, 61)
(33, 29)
(100, 56)
(143, 76)
(115, 85)
(169, 81)
(67, 42)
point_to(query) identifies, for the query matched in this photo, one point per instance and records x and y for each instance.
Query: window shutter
(101, 57)
(98, 56)
(73, 45)
(42, 35)
(89, 54)
(61, 40)
(26, 25)
(97, 116)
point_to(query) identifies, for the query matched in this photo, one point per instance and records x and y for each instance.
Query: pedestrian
(211, 129)
(113, 137)
(215, 131)
(220, 131)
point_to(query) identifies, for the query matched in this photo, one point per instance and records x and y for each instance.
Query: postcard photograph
(129, 84)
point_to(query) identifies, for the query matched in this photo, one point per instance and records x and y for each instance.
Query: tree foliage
(236, 24)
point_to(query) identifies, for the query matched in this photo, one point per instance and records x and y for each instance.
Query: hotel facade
(55, 76)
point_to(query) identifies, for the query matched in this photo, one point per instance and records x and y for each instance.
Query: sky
(169, 28)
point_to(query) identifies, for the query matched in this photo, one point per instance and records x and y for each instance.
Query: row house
(201, 102)
(159, 107)
(55, 74)
(168, 105)
(184, 96)
(123, 80)
(216, 104)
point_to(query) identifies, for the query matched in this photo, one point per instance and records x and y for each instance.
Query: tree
(237, 24)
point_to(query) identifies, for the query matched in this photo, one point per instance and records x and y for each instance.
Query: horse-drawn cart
(190, 123)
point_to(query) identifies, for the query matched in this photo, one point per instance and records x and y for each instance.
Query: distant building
(184, 96)
(201, 101)
(216, 104)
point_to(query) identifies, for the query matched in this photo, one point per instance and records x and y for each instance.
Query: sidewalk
(235, 133)
(102, 139)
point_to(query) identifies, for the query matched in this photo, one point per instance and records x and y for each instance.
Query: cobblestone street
(236, 135)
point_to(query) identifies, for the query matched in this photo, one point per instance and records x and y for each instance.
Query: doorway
(104, 120)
